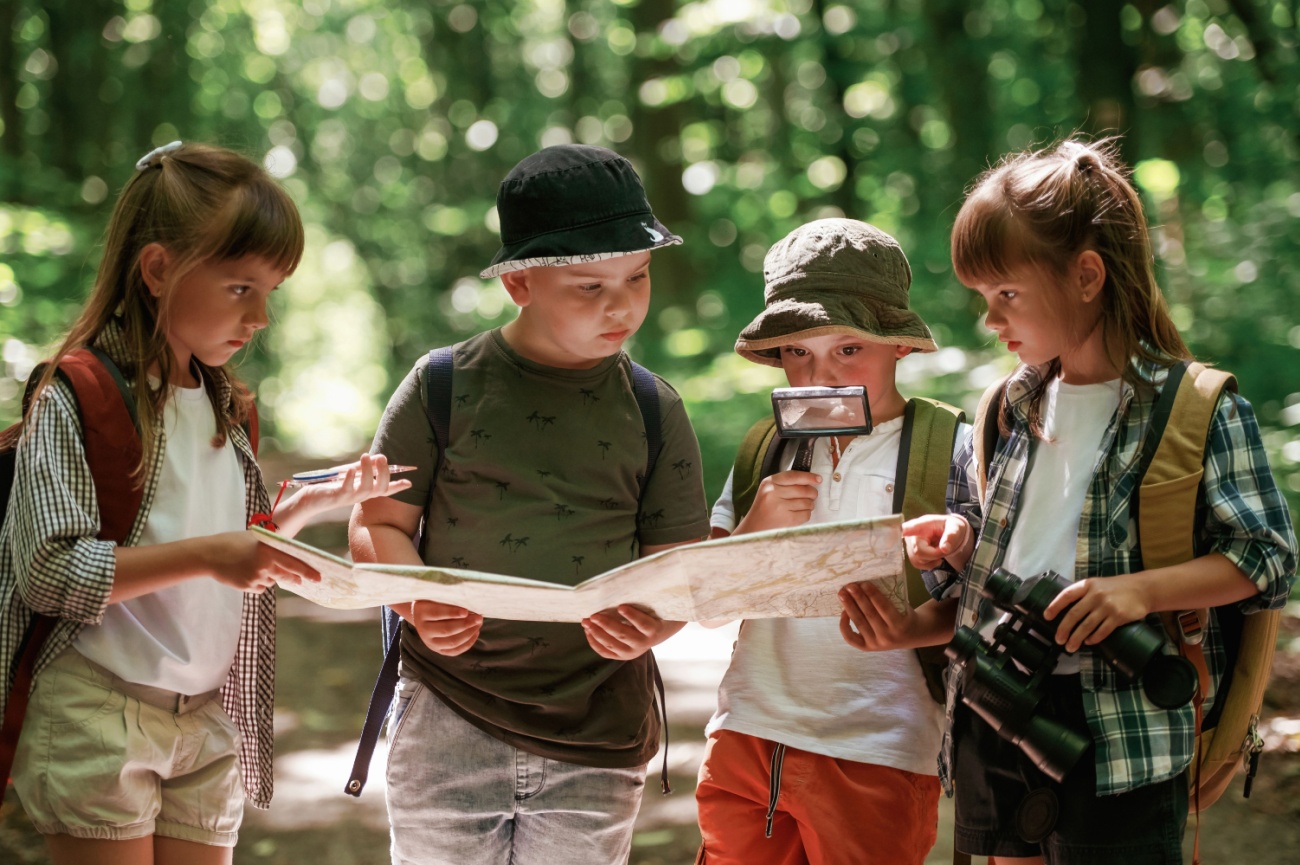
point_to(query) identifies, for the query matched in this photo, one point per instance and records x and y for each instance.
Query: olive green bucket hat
(834, 276)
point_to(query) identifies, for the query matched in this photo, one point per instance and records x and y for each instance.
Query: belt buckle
(1190, 628)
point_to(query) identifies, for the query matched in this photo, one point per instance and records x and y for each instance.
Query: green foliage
(392, 123)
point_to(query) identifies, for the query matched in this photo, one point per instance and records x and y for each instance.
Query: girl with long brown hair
(1056, 243)
(149, 718)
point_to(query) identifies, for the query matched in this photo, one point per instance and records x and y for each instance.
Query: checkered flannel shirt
(52, 563)
(1244, 517)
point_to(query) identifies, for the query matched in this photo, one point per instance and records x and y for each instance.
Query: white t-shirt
(181, 638)
(1046, 534)
(795, 681)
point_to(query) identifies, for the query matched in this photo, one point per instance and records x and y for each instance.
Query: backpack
(1165, 504)
(110, 429)
(438, 399)
(920, 487)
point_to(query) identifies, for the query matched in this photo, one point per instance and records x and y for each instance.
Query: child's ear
(153, 268)
(516, 283)
(902, 351)
(1090, 271)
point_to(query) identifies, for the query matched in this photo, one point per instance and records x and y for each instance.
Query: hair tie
(147, 161)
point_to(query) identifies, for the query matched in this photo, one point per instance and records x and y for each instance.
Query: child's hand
(876, 622)
(784, 500)
(625, 633)
(445, 628)
(365, 479)
(934, 537)
(1100, 606)
(241, 561)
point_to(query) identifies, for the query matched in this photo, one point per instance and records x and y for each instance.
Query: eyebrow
(598, 277)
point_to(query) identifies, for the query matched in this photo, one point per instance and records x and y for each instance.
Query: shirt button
(836, 476)
(1003, 522)
(889, 488)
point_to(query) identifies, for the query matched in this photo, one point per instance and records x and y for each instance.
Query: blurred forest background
(392, 122)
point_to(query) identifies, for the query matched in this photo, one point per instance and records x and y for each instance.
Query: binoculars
(1003, 681)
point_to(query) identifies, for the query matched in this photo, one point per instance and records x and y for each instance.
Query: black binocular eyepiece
(1003, 681)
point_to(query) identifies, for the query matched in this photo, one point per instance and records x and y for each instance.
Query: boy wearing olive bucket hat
(821, 750)
(527, 742)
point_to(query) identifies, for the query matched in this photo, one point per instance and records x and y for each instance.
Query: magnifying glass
(808, 413)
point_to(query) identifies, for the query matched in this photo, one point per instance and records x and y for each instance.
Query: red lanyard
(267, 521)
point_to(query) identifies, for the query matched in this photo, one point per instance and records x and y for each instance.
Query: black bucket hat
(834, 276)
(573, 203)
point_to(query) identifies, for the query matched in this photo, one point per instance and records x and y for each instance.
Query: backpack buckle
(1190, 628)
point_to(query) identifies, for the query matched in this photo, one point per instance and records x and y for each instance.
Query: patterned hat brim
(610, 239)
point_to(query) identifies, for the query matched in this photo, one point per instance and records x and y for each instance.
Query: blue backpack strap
(437, 405)
(646, 391)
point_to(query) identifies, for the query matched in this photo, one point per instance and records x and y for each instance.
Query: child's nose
(256, 317)
(823, 373)
(618, 303)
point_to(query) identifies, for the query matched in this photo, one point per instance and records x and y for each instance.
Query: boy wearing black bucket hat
(526, 742)
(819, 752)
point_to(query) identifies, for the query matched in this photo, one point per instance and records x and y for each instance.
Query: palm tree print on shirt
(604, 447)
(588, 395)
(577, 563)
(513, 543)
(682, 466)
(502, 486)
(535, 419)
(479, 435)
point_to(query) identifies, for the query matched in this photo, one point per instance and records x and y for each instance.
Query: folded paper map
(784, 573)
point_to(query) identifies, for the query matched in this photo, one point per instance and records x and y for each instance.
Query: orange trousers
(827, 811)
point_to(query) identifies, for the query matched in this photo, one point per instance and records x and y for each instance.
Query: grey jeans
(457, 796)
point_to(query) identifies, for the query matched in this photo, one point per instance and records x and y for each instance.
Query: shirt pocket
(875, 495)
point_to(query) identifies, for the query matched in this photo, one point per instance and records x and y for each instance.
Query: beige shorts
(107, 759)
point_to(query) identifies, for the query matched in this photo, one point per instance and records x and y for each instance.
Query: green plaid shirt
(1243, 516)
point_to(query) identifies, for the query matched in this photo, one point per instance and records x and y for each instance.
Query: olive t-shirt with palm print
(541, 479)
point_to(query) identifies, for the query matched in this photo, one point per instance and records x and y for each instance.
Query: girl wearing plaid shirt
(156, 687)
(1056, 243)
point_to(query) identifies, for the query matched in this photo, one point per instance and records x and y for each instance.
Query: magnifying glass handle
(803, 455)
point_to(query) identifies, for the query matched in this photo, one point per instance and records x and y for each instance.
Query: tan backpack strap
(985, 436)
(1167, 497)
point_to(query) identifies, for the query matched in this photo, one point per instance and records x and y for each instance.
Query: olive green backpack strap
(758, 450)
(921, 487)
